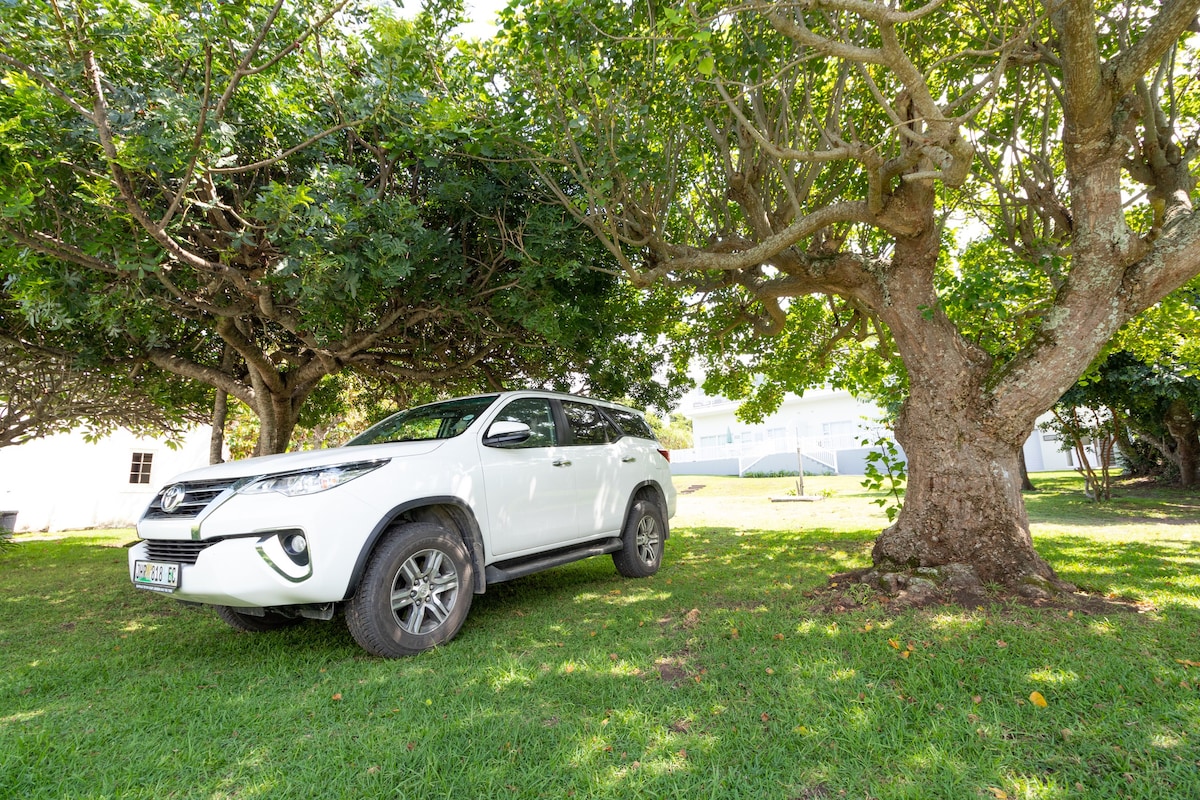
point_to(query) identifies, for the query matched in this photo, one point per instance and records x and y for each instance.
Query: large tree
(797, 167)
(260, 195)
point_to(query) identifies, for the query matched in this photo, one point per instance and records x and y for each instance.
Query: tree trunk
(963, 504)
(1026, 484)
(277, 417)
(1182, 426)
(216, 444)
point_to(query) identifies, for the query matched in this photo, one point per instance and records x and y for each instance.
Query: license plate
(158, 576)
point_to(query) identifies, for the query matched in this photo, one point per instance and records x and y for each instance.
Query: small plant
(886, 471)
(1092, 433)
(860, 593)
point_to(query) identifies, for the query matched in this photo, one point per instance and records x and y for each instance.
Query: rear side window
(632, 423)
(587, 423)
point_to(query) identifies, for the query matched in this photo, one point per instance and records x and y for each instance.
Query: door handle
(562, 462)
(628, 459)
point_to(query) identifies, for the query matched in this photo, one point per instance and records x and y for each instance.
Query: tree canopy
(800, 169)
(260, 195)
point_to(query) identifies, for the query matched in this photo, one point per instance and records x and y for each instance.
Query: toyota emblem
(172, 498)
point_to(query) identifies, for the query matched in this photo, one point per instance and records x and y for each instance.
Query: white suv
(405, 523)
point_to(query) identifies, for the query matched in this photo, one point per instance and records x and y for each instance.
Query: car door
(603, 479)
(529, 485)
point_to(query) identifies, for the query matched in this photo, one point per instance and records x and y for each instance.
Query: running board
(520, 567)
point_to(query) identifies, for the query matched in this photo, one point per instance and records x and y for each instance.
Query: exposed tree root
(957, 585)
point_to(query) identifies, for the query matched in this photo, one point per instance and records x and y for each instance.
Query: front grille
(197, 496)
(183, 551)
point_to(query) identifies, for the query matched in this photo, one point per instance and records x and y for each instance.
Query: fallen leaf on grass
(1188, 663)
(337, 696)
(999, 794)
(1037, 699)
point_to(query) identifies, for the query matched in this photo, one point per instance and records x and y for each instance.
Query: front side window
(434, 421)
(537, 414)
(588, 425)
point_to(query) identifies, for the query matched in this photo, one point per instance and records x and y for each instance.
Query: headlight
(311, 481)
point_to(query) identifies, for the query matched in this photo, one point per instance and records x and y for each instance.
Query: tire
(414, 594)
(249, 623)
(642, 540)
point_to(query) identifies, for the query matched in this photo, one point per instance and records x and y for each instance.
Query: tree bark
(278, 414)
(216, 443)
(1026, 483)
(963, 503)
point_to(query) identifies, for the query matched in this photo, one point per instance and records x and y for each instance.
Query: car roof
(539, 393)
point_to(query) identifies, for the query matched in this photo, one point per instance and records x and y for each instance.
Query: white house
(64, 482)
(824, 427)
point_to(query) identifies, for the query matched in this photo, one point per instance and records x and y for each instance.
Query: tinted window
(434, 421)
(632, 423)
(587, 423)
(534, 412)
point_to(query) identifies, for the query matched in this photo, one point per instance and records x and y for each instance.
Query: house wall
(64, 482)
(821, 424)
(828, 426)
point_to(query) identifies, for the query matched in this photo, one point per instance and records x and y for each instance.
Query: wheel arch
(652, 491)
(450, 512)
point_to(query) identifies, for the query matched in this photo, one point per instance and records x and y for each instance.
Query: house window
(832, 430)
(139, 469)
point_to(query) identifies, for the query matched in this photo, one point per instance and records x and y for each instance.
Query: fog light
(295, 544)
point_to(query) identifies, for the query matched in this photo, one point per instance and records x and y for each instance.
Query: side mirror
(505, 433)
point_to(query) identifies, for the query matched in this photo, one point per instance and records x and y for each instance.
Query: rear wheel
(642, 541)
(252, 623)
(415, 593)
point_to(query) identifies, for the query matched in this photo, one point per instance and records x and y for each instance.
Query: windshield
(434, 421)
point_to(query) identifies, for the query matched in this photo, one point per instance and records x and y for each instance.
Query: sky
(482, 14)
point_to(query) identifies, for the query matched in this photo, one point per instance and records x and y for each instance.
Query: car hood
(308, 459)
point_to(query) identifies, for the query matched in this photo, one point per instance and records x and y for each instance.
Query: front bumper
(239, 554)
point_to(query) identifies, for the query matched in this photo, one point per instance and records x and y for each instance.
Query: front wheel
(415, 593)
(641, 541)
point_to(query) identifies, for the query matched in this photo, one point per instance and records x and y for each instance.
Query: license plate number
(159, 576)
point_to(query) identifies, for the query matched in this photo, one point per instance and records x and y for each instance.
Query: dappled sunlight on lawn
(719, 676)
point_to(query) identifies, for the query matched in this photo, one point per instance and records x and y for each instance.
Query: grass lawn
(716, 678)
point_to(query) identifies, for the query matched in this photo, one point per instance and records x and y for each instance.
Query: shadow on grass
(1160, 567)
(1063, 502)
(716, 677)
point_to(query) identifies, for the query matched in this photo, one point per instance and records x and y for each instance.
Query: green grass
(716, 678)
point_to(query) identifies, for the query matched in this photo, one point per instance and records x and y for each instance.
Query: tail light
(665, 454)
